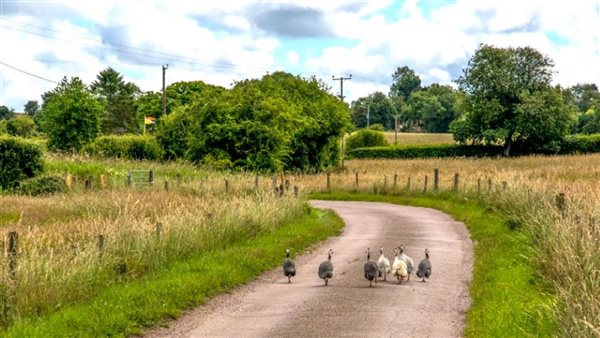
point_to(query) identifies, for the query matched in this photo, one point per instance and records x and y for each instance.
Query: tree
(6, 113)
(379, 107)
(423, 112)
(405, 82)
(584, 95)
(118, 99)
(22, 126)
(447, 97)
(71, 115)
(496, 82)
(31, 107)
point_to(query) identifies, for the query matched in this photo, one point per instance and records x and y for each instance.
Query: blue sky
(229, 40)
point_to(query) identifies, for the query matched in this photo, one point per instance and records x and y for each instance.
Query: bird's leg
(370, 284)
(289, 279)
(384, 276)
(423, 280)
(326, 280)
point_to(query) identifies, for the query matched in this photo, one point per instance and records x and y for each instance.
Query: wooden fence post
(103, 181)
(504, 185)
(287, 184)
(295, 191)
(166, 185)
(489, 184)
(328, 182)
(436, 179)
(408, 184)
(69, 181)
(88, 183)
(384, 183)
(100, 239)
(479, 185)
(356, 180)
(13, 250)
(158, 229)
(256, 182)
(561, 202)
(425, 184)
(455, 186)
(201, 185)
(395, 181)
(129, 178)
(226, 185)
(151, 177)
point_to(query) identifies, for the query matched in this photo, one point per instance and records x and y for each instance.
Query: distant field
(419, 138)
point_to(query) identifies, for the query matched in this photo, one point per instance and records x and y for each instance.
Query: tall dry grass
(60, 258)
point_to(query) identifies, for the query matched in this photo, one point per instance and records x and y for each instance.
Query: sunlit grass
(419, 138)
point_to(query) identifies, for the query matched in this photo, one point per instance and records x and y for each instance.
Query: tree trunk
(507, 145)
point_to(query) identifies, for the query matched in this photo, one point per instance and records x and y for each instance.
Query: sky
(220, 42)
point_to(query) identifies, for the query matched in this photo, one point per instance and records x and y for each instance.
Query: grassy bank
(128, 307)
(508, 298)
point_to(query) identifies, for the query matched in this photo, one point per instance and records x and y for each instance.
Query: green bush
(135, 147)
(377, 127)
(22, 126)
(19, 159)
(42, 185)
(366, 138)
(426, 151)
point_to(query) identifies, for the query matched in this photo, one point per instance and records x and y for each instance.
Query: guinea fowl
(326, 268)
(289, 267)
(371, 270)
(399, 267)
(383, 265)
(409, 261)
(424, 270)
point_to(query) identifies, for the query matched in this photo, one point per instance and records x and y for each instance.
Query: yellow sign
(149, 120)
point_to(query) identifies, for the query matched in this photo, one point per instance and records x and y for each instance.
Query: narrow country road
(269, 307)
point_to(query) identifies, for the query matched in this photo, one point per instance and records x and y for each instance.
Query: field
(419, 138)
(59, 243)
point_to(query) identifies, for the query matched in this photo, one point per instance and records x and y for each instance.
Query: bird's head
(381, 250)
(368, 253)
(427, 253)
(401, 248)
(287, 252)
(329, 253)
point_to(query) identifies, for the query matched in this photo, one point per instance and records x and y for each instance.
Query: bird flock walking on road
(401, 268)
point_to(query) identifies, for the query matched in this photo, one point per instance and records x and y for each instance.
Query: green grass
(127, 308)
(508, 297)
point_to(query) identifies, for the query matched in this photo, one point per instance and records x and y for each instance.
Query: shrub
(426, 151)
(135, 147)
(19, 159)
(366, 138)
(22, 126)
(42, 185)
(377, 127)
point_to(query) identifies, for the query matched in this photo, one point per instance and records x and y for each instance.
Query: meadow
(549, 205)
(419, 138)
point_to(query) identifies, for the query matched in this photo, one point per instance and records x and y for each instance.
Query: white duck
(383, 265)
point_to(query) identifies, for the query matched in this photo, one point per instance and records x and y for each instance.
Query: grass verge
(127, 308)
(508, 298)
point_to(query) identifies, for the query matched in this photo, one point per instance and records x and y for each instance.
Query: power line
(27, 73)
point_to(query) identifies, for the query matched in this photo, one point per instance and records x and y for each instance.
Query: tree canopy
(280, 122)
(503, 87)
(404, 82)
(71, 115)
(379, 108)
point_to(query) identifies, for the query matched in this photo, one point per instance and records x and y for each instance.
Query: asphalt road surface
(270, 307)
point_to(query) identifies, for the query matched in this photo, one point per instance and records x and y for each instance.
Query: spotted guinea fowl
(399, 267)
(383, 265)
(326, 268)
(424, 270)
(409, 261)
(371, 270)
(289, 267)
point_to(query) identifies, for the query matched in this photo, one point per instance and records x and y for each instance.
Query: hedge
(366, 138)
(19, 159)
(42, 185)
(572, 144)
(135, 147)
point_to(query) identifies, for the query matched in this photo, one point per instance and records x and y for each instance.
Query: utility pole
(164, 93)
(341, 79)
(368, 112)
(396, 129)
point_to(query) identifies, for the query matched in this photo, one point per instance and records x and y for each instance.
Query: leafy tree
(31, 107)
(379, 107)
(71, 115)
(118, 99)
(496, 82)
(280, 122)
(149, 104)
(6, 113)
(584, 95)
(423, 112)
(405, 82)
